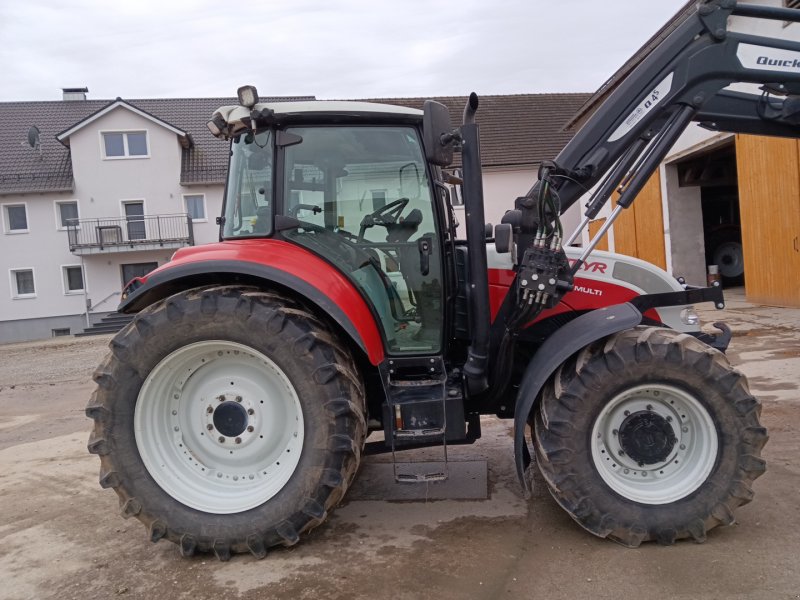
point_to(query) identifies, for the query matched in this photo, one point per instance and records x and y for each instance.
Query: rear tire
(227, 420)
(649, 435)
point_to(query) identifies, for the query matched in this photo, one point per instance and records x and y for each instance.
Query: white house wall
(44, 249)
(100, 187)
(102, 184)
(501, 188)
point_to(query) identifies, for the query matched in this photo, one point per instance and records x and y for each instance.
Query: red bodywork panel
(588, 294)
(302, 264)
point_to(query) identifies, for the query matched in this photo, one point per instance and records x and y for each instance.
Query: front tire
(227, 419)
(649, 435)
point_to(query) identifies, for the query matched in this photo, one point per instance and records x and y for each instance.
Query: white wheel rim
(690, 460)
(193, 453)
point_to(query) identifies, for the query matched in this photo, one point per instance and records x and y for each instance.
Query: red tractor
(231, 414)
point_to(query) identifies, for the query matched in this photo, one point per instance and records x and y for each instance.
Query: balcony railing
(120, 234)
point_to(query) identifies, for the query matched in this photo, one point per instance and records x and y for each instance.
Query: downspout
(478, 293)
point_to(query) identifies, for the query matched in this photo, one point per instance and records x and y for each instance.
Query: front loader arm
(681, 80)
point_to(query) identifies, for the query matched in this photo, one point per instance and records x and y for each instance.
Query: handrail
(106, 299)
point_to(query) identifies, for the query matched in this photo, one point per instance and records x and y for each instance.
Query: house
(717, 198)
(95, 192)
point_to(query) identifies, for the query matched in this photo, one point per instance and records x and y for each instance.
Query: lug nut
(238, 440)
(627, 413)
(250, 428)
(615, 432)
(250, 411)
(221, 398)
(209, 427)
(649, 407)
(221, 439)
(621, 453)
(210, 409)
(238, 398)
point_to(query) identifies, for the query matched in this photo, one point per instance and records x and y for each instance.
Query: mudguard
(270, 262)
(565, 342)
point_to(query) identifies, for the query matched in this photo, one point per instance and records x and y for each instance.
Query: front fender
(267, 263)
(565, 342)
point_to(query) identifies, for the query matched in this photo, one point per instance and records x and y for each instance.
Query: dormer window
(125, 144)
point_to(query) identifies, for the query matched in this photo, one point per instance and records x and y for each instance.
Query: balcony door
(134, 215)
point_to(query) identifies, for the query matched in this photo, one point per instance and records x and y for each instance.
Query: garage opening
(714, 173)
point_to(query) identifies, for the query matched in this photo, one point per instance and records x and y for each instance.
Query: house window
(67, 213)
(125, 144)
(15, 217)
(196, 206)
(73, 279)
(22, 283)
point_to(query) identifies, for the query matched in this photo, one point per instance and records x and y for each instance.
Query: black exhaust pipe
(472, 188)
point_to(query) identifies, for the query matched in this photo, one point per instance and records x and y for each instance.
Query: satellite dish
(33, 137)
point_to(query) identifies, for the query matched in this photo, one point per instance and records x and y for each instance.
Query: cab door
(364, 202)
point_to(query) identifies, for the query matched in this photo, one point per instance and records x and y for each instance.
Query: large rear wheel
(649, 435)
(228, 420)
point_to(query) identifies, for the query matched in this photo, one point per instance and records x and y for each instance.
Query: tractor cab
(356, 190)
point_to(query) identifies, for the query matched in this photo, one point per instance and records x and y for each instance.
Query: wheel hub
(647, 437)
(230, 419)
(654, 443)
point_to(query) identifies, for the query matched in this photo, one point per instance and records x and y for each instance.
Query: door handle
(795, 243)
(425, 246)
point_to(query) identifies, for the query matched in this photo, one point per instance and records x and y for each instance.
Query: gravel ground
(60, 360)
(61, 536)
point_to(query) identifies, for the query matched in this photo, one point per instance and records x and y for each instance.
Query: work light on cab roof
(248, 96)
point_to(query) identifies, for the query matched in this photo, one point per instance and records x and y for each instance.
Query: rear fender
(306, 275)
(565, 342)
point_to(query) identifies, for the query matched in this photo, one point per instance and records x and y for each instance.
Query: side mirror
(437, 133)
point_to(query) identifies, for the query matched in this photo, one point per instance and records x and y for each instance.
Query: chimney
(74, 93)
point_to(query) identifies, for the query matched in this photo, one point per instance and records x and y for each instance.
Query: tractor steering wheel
(385, 215)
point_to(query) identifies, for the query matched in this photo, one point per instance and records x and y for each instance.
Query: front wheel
(649, 435)
(228, 420)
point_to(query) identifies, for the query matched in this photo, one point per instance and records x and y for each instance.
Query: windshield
(248, 200)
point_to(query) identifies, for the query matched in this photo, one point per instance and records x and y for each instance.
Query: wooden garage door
(769, 207)
(639, 230)
(594, 227)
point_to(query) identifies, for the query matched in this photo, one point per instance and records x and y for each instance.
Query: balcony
(127, 234)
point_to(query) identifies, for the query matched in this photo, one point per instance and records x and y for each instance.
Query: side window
(363, 201)
(248, 197)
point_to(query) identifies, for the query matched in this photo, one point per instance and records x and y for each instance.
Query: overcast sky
(329, 49)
